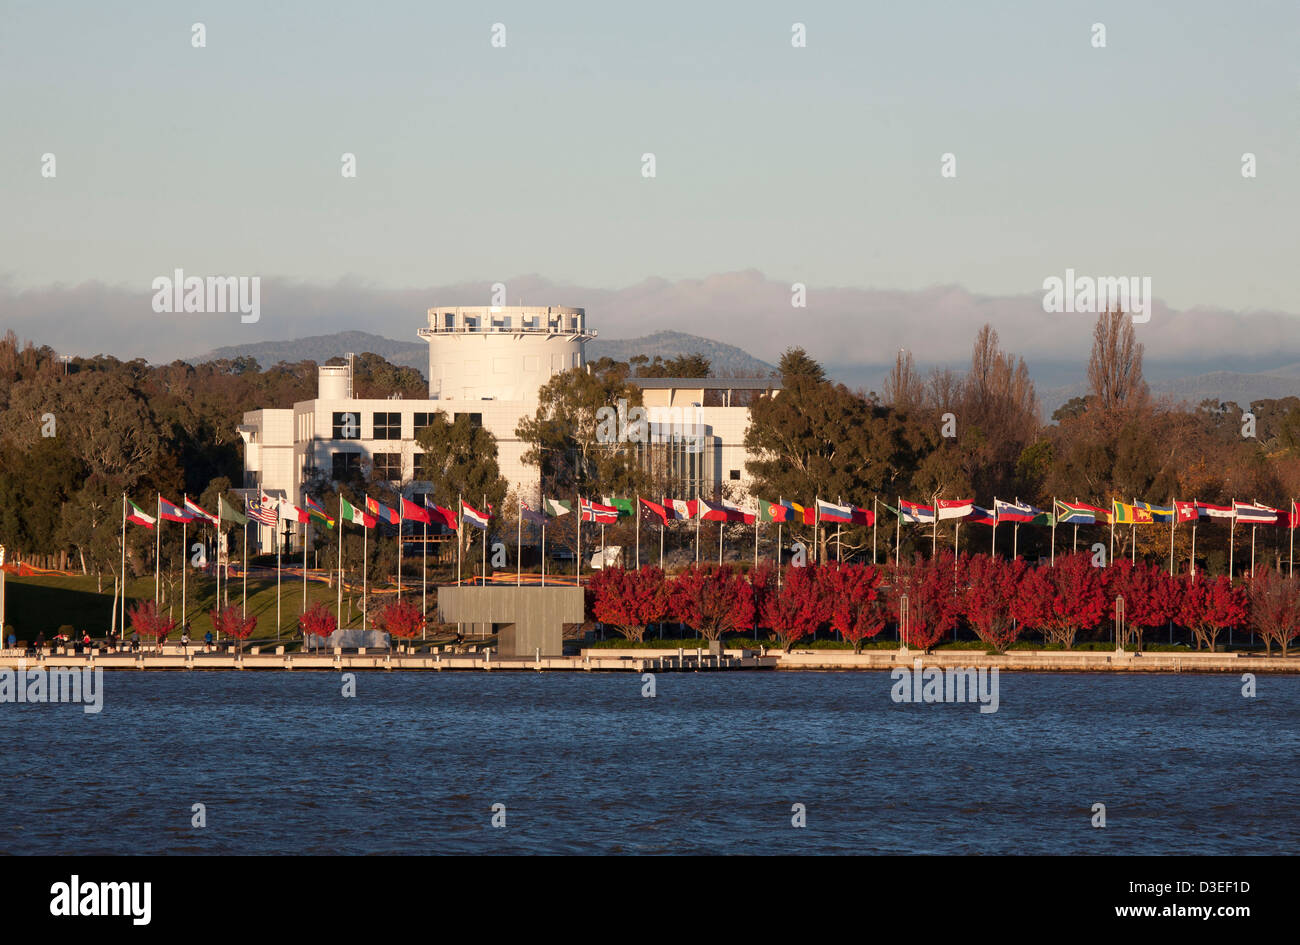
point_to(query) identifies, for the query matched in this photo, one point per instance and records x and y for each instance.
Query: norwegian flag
(596, 512)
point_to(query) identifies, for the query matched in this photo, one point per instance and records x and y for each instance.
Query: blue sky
(818, 165)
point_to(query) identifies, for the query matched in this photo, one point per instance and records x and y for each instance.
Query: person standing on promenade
(40, 643)
(207, 641)
(185, 639)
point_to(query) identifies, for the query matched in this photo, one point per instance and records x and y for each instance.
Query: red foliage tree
(318, 621)
(629, 600)
(857, 610)
(1150, 595)
(1062, 600)
(228, 621)
(799, 607)
(149, 623)
(399, 618)
(989, 588)
(1274, 608)
(933, 606)
(1209, 606)
(712, 601)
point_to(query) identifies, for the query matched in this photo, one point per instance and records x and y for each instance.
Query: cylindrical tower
(501, 352)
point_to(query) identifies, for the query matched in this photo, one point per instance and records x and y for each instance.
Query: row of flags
(268, 510)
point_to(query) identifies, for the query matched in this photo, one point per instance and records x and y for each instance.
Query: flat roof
(707, 383)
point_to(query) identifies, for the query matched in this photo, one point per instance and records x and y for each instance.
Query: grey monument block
(527, 619)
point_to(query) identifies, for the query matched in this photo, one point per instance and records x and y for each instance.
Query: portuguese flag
(138, 516)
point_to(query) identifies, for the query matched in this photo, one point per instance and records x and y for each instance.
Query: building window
(388, 466)
(345, 465)
(347, 425)
(423, 420)
(475, 419)
(388, 426)
(735, 475)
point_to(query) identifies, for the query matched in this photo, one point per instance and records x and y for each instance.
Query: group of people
(84, 644)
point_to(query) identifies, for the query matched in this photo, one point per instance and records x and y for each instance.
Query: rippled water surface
(712, 764)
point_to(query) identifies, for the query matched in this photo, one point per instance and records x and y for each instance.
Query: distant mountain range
(726, 359)
(1239, 386)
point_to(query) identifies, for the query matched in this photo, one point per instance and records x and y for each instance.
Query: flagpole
(1053, 560)
(216, 548)
(338, 612)
(874, 517)
(898, 529)
(577, 564)
(157, 554)
(1111, 559)
(1232, 528)
(1173, 521)
(993, 542)
(185, 551)
(365, 551)
(400, 522)
(519, 546)
(122, 638)
(1252, 547)
(934, 527)
(304, 567)
(817, 528)
(697, 528)
(756, 518)
(243, 603)
(1196, 509)
(1075, 547)
(638, 532)
(278, 548)
(1291, 516)
(543, 541)
(602, 544)
(485, 538)
(424, 571)
(662, 525)
(460, 532)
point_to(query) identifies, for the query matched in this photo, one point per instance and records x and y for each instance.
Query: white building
(489, 362)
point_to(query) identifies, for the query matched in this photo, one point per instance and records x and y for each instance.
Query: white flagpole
(543, 541)
(278, 543)
(185, 566)
(1195, 504)
(460, 532)
(638, 532)
(338, 613)
(519, 546)
(304, 567)
(400, 522)
(993, 544)
(662, 525)
(577, 564)
(1232, 527)
(697, 530)
(721, 528)
(898, 530)
(1291, 514)
(122, 638)
(756, 518)
(1053, 561)
(424, 570)
(1173, 521)
(1252, 548)
(875, 515)
(1111, 560)
(365, 549)
(216, 549)
(485, 538)
(157, 555)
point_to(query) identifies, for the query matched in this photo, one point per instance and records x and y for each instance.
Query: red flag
(413, 513)
(1185, 512)
(657, 509)
(863, 516)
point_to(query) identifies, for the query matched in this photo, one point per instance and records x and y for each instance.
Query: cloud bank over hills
(855, 332)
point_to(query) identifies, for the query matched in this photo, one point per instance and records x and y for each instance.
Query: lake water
(713, 764)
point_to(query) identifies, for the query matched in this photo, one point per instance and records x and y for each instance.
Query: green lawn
(36, 604)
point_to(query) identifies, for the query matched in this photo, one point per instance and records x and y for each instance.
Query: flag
(1159, 513)
(263, 510)
(736, 514)
(473, 516)
(773, 511)
(171, 513)
(1016, 512)
(914, 513)
(955, 508)
(1043, 518)
(138, 516)
(829, 512)
(981, 516)
(317, 511)
(1076, 513)
(863, 516)
(381, 512)
(555, 508)
(413, 513)
(350, 513)
(1125, 514)
(595, 512)
(682, 509)
(657, 509)
(232, 514)
(1185, 511)
(1294, 518)
(192, 508)
(440, 515)
(1205, 510)
(1255, 514)
(531, 514)
(624, 506)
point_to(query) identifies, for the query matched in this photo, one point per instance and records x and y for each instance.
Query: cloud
(852, 328)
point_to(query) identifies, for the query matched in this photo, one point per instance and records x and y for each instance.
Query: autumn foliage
(857, 609)
(149, 623)
(629, 600)
(1274, 608)
(1208, 606)
(800, 605)
(990, 589)
(318, 621)
(399, 618)
(712, 601)
(1060, 601)
(227, 620)
(933, 602)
